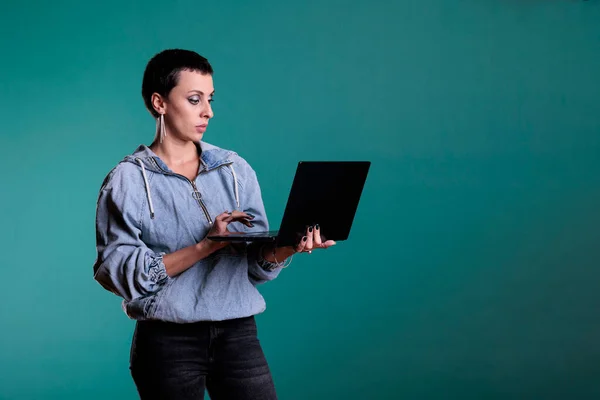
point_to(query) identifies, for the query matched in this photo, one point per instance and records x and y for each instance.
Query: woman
(194, 299)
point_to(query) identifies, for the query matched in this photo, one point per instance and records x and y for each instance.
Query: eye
(194, 100)
(211, 100)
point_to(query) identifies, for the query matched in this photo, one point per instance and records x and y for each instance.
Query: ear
(158, 103)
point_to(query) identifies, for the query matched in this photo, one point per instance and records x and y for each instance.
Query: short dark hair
(162, 72)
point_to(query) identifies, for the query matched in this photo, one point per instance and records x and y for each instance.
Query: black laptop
(323, 192)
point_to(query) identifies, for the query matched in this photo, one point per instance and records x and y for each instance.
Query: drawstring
(235, 186)
(147, 188)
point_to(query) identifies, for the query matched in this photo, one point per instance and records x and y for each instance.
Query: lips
(201, 128)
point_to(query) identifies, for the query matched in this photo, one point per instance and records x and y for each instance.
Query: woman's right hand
(220, 224)
(182, 259)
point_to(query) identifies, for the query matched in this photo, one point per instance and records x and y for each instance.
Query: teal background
(472, 269)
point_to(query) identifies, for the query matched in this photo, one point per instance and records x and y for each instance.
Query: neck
(175, 152)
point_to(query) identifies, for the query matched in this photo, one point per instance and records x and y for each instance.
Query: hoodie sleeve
(124, 266)
(251, 202)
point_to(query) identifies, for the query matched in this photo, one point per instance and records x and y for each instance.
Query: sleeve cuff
(157, 272)
(266, 265)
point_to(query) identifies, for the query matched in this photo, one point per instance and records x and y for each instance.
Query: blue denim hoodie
(145, 210)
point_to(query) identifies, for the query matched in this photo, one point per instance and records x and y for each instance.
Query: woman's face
(188, 107)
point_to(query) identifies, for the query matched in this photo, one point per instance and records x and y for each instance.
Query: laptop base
(264, 236)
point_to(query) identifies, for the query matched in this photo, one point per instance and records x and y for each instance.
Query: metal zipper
(195, 194)
(198, 196)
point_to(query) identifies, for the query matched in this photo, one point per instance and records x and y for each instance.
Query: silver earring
(161, 132)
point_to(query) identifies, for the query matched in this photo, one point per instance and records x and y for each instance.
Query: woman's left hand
(310, 241)
(313, 240)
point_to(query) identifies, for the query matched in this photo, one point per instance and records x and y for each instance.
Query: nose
(207, 111)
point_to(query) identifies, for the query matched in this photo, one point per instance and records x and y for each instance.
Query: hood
(211, 157)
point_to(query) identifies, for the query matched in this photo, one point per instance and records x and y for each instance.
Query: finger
(300, 247)
(244, 219)
(328, 243)
(247, 223)
(240, 214)
(226, 221)
(252, 216)
(222, 216)
(235, 215)
(222, 220)
(317, 236)
(309, 240)
(230, 216)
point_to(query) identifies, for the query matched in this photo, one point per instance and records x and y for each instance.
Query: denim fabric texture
(181, 361)
(145, 211)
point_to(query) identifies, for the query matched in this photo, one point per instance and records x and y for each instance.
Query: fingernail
(304, 239)
(317, 227)
(310, 229)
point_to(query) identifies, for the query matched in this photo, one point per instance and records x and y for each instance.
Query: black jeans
(180, 361)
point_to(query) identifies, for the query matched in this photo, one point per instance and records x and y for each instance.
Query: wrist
(206, 247)
(278, 254)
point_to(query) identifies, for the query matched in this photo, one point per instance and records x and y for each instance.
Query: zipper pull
(198, 197)
(195, 194)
